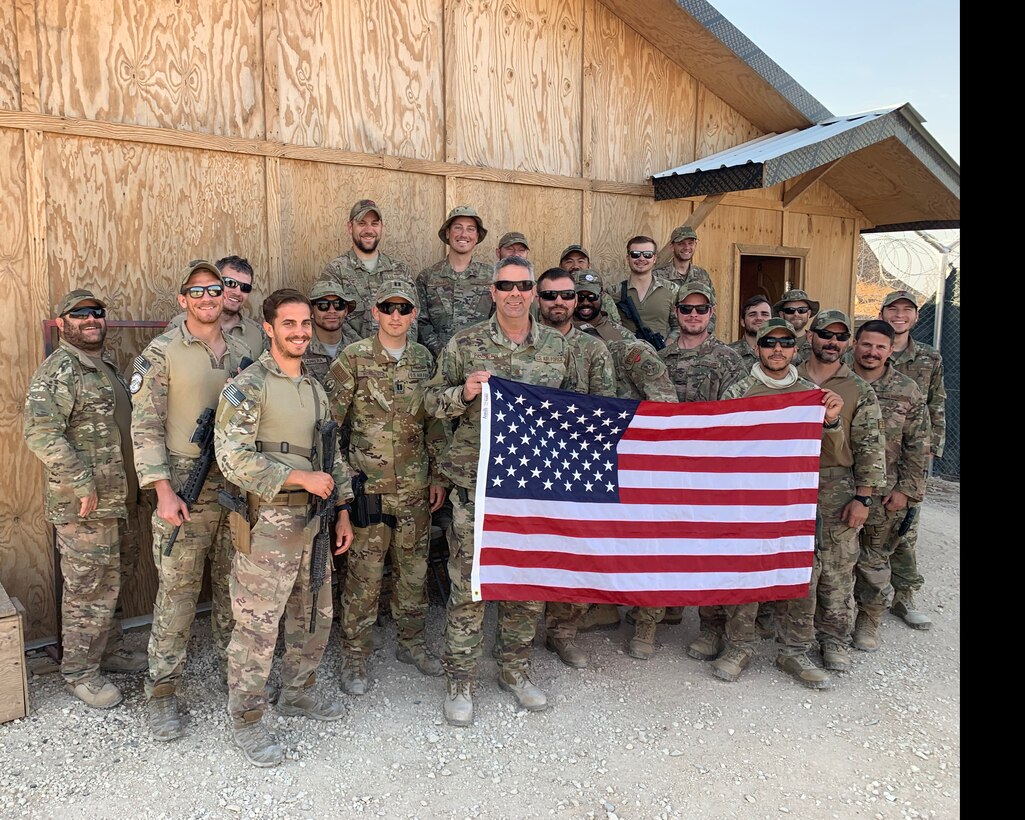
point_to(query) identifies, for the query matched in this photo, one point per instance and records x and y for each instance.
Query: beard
(75, 335)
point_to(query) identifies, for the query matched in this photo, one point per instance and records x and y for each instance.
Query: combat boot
(904, 608)
(866, 632)
(97, 692)
(599, 616)
(836, 656)
(673, 616)
(301, 702)
(801, 669)
(526, 693)
(165, 722)
(124, 660)
(419, 657)
(732, 662)
(569, 653)
(256, 742)
(707, 645)
(458, 706)
(642, 644)
(354, 676)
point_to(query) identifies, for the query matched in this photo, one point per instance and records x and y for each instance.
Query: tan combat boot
(418, 656)
(904, 608)
(302, 702)
(97, 692)
(732, 662)
(836, 656)
(806, 673)
(707, 645)
(124, 660)
(599, 616)
(458, 706)
(569, 653)
(526, 693)
(165, 722)
(354, 676)
(642, 644)
(672, 616)
(866, 631)
(256, 742)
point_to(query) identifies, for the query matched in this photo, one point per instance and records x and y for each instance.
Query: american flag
(591, 499)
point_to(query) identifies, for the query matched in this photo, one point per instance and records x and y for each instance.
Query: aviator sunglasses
(197, 291)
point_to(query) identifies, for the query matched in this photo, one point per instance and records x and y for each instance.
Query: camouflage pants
(837, 551)
(561, 619)
(409, 545)
(274, 580)
(872, 588)
(794, 620)
(180, 578)
(904, 561)
(464, 632)
(130, 543)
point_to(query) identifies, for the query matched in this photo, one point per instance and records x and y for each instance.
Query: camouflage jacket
(702, 373)
(348, 269)
(545, 358)
(317, 358)
(640, 373)
(906, 432)
(668, 273)
(748, 355)
(69, 425)
(393, 440)
(249, 332)
(923, 364)
(246, 413)
(594, 372)
(450, 301)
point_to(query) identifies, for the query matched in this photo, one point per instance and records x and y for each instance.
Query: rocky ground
(623, 738)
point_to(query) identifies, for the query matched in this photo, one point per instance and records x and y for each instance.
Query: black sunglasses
(324, 305)
(587, 296)
(197, 291)
(552, 295)
(792, 311)
(839, 335)
(506, 285)
(87, 313)
(782, 341)
(688, 309)
(245, 287)
(402, 308)
(639, 254)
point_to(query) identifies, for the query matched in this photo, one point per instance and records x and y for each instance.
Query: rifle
(909, 519)
(193, 486)
(324, 509)
(653, 338)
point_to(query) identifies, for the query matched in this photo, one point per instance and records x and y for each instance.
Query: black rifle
(909, 519)
(656, 340)
(193, 486)
(323, 508)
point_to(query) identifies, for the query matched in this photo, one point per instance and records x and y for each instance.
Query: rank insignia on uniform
(233, 395)
(141, 365)
(135, 385)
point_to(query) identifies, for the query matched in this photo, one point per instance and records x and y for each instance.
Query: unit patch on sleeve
(135, 384)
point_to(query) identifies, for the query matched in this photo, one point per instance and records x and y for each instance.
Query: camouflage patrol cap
(795, 295)
(454, 214)
(694, 286)
(897, 295)
(75, 298)
(683, 232)
(197, 266)
(828, 317)
(775, 323)
(512, 238)
(574, 249)
(588, 280)
(396, 287)
(362, 208)
(324, 288)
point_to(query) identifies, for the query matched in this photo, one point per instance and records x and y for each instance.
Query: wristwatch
(864, 499)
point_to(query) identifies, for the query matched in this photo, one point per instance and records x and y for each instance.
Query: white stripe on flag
(647, 547)
(747, 449)
(748, 418)
(674, 480)
(650, 512)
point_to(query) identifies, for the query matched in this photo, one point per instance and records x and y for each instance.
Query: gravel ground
(624, 738)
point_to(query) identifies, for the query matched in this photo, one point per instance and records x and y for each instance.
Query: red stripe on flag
(803, 398)
(719, 464)
(495, 555)
(722, 498)
(539, 525)
(759, 432)
(649, 598)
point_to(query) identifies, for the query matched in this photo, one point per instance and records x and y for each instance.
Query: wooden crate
(13, 679)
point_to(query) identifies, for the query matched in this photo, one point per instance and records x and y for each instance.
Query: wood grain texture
(188, 64)
(28, 55)
(721, 127)
(832, 261)
(10, 78)
(513, 84)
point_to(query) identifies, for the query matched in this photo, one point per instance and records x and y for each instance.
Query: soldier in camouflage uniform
(178, 376)
(576, 258)
(852, 477)
(595, 375)
(266, 438)
(906, 432)
(377, 388)
(512, 243)
(799, 309)
(681, 269)
(455, 292)
(363, 268)
(513, 346)
(923, 364)
(795, 635)
(332, 303)
(753, 314)
(77, 420)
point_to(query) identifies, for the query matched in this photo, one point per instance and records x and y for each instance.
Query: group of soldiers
(362, 395)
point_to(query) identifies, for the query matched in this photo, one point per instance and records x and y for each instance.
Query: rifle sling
(282, 447)
(626, 303)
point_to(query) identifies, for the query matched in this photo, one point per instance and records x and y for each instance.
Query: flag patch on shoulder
(141, 365)
(233, 395)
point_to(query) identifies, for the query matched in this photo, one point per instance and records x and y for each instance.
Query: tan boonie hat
(694, 286)
(574, 249)
(454, 214)
(897, 295)
(362, 208)
(775, 323)
(75, 298)
(512, 238)
(828, 317)
(795, 295)
(588, 280)
(324, 288)
(396, 287)
(683, 232)
(195, 266)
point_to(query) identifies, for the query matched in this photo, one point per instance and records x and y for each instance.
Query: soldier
(574, 258)
(510, 344)
(455, 292)
(799, 309)
(267, 440)
(179, 374)
(681, 267)
(906, 433)
(363, 268)
(377, 387)
(851, 472)
(512, 244)
(753, 314)
(795, 618)
(595, 374)
(78, 422)
(923, 364)
(643, 296)
(332, 303)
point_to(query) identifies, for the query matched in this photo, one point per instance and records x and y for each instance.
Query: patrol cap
(512, 238)
(396, 287)
(828, 317)
(325, 287)
(362, 208)
(897, 295)
(775, 323)
(75, 298)
(197, 265)
(454, 214)
(574, 249)
(588, 280)
(683, 232)
(694, 286)
(795, 295)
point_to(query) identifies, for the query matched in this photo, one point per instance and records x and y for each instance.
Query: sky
(865, 55)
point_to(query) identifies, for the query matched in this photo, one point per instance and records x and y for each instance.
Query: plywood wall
(832, 254)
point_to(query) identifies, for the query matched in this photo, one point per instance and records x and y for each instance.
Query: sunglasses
(87, 313)
(839, 335)
(639, 254)
(324, 305)
(402, 308)
(792, 311)
(506, 285)
(242, 286)
(552, 295)
(587, 296)
(197, 291)
(782, 341)
(686, 310)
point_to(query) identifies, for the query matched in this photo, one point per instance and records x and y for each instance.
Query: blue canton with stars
(554, 445)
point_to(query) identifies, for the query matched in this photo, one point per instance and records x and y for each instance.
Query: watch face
(864, 499)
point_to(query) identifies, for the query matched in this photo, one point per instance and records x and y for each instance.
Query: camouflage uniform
(262, 408)
(748, 355)
(450, 301)
(248, 332)
(317, 358)
(640, 372)
(397, 446)
(350, 271)
(695, 273)
(544, 358)
(71, 424)
(175, 378)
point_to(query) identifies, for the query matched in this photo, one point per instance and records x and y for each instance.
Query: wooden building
(136, 136)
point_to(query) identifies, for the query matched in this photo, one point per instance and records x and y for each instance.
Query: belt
(290, 498)
(281, 447)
